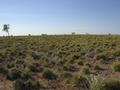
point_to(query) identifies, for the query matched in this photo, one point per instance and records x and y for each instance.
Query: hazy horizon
(60, 16)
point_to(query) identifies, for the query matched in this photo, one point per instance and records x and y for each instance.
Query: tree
(6, 28)
(73, 33)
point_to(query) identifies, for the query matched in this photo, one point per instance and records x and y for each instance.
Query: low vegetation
(61, 62)
(116, 66)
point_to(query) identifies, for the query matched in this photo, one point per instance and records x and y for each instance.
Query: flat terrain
(57, 62)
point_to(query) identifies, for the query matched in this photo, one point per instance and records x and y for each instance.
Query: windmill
(6, 28)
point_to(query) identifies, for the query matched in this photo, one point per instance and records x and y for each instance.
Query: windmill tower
(6, 28)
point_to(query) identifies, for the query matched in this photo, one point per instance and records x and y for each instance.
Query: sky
(60, 16)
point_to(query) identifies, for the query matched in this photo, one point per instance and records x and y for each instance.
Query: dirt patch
(5, 84)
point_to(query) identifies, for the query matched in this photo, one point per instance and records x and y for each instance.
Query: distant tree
(29, 34)
(109, 34)
(44, 34)
(87, 33)
(6, 28)
(73, 33)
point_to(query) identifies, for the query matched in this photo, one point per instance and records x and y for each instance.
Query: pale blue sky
(60, 16)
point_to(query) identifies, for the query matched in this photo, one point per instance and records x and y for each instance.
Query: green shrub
(97, 67)
(32, 85)
(68, 67)
(3, 70)
(33, 68)
(88, 64)
(85, 70)
(80, 63)
(20, 61)
(76, 56)
(19, 85)
(81, 81)
(103, 61)
(111, 85)
(26, 75)
(67, 75)
(49, 74)
(99, 83)
(102, 55)
(95, 82)
(11, 65)
(14, 74)
(116, 52)
(26, 85)
(35, 55)
(116, 66)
